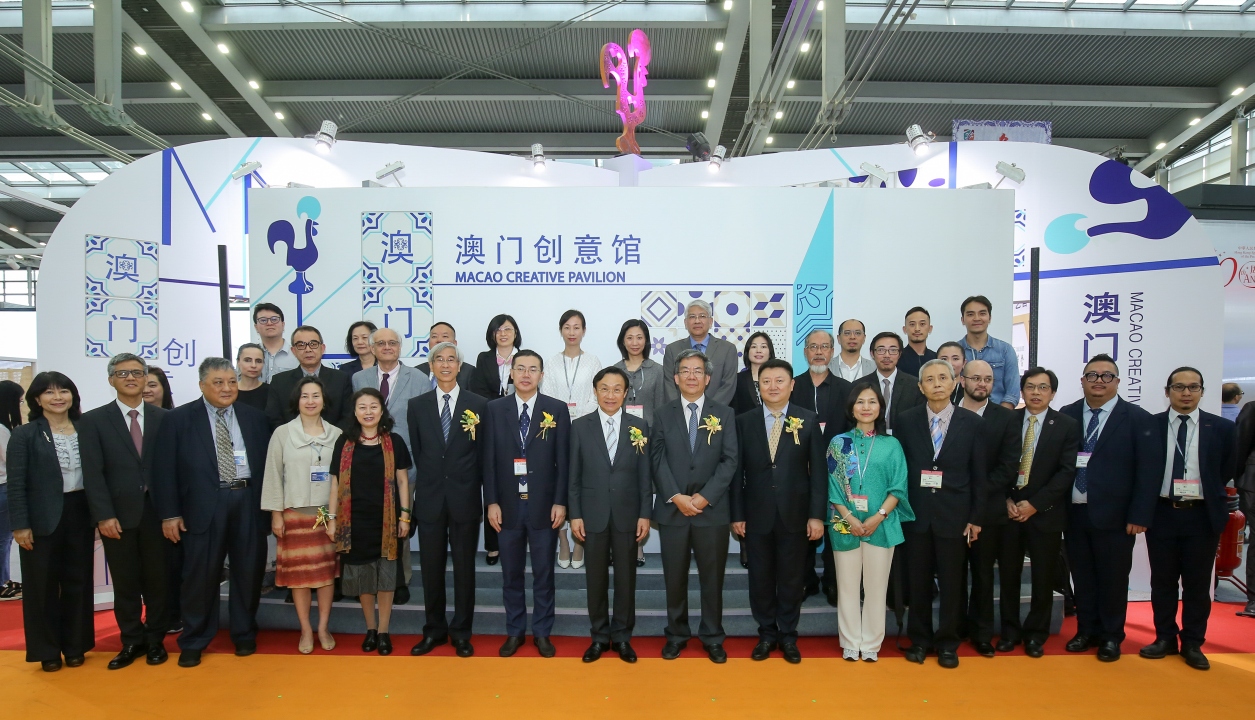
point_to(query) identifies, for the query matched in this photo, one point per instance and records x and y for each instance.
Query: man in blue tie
(526, 457)
(1113, 500)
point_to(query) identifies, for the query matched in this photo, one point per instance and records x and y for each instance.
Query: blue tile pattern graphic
(737, 315)
(121, 297)
(117, 325)
(397, 275)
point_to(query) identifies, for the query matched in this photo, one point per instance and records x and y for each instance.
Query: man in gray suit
(721, 354)
(395, 381)
(609, 498)
(849, 364)
(693, 449)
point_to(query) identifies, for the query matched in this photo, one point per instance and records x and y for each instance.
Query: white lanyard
(570, 390)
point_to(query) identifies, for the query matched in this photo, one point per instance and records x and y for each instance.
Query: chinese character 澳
(627, 250)
(123, 267)
(470, 248)
(398, 249)
(549, 250)
(587, 249)
(1102, 307)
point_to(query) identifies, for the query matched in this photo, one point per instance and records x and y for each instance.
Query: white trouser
(866, 568)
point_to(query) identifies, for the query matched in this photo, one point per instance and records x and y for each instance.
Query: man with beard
(918, 327)
(850, 365)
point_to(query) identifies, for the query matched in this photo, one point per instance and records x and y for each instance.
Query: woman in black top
(492, 367)
(369, 512)
(758, 350)
(250, 360)
(357, 345)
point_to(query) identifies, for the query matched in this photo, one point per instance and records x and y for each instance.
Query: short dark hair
(353, 428)
(777, 363)
(294, 400)
(1183, 368)
(989, 307)
(860, 323)
(308, 328)
(883, 335)
(916, 309)
(348, 337)
(953, 344)
(10, 404)
(167, 399)
(628, 325)
(612, 370)
(1104, 357)
(570, 314)
(44, 381)
(852, 398)
(1228, 392)
(267, 306)
(528, 353)
(1034, 371)
(495, 324)
(771, 347)
(448, 325)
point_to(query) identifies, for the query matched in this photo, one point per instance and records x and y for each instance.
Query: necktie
(1091, 439)
(937, 436)
(692, 426)
(1178, 455)
(446, 418)
(888, 401)
(773, 440)
(612, 438)
(137, 436)
(525, 421)
(1026, 454)
(383, 388)
(226, 451)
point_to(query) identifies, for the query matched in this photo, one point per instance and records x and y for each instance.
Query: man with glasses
(1118, 474)
(308, 346)
(975, 313)
(850, 365)
(1198, 460)
(268, 322)
(396, 382)
(900, 390)
(698, 319)
(918, 327)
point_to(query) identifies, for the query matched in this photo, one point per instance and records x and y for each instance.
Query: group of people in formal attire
(911, 469)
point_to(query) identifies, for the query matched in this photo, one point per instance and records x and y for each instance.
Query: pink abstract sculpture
(629, 71)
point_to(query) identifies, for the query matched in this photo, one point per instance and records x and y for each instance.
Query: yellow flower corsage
(547, 423)
(711, 425)
(322, 518)
(639, 441)
(792, 425)
(839, 526)
(469, 421)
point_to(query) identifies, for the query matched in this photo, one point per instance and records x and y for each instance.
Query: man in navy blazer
(1112, 501)
(526, 456)
(208, 493)
(1197, 459)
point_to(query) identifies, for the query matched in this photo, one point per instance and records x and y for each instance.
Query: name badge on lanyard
(1082, 459)
(520, 471)
(1188, 488)
(241, 460)
(636, 411)
(860, 502)
(320, 473)
(930, 479)
(1021, 481)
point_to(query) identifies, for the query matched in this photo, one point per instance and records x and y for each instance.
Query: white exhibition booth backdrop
(1126, 269)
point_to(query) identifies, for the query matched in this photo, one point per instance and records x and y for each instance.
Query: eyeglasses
(269, 320)
(886, 351)
(311, 345)
(699, 317)
(851, 333)
(1044, 387)
(690, 373)
(1095, 377)
(445, 360)
(980, 379)
(1179, 387)
(124, 374)
(388, 343)
(812, 347)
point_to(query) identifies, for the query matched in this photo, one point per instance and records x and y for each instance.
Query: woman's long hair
(10, 403)
(51, 379)
(353, 428)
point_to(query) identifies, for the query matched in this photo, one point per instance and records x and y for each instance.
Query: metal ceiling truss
(770, 91)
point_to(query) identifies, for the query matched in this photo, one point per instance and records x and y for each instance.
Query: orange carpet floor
(277, 682)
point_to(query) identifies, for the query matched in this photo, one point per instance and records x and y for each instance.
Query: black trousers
(1181, 546)
(435, 540)
(239, 533)
(137, 562)
(928, 555)
(516, 544)
(1101, 560)
(598, 550)
(776, 583)
(679, 544)
(174, 583)
(491, 543)
(57, 586)
(1043, 549)
(982, 556)
(1247, 501)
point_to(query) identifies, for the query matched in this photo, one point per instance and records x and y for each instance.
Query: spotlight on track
(247, 168)
(538, 157)
(325, 137)
(918, 139)
(716, 158)
(390, 171)
(1009, 172)
(698, 146)
(876, 175)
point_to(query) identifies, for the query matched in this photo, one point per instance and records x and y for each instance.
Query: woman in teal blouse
(868, 499)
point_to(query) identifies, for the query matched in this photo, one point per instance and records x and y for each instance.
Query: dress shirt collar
(857, 362)
(981, 410)
(229, 416)
(700, 345)
(392, 374)
(1174, 418)
(618, 419)
(530, 402)
(784, 412)
(453, 398)
(945, 415)
(306, 373)
(1106, 408)
(684, 406)
(126, 410)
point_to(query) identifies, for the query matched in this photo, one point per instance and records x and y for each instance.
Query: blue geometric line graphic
(166, 199)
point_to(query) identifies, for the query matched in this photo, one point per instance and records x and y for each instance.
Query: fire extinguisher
(1229, 553)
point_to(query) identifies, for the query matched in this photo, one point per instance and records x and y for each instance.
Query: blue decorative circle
(1062, 237)
(732, 309)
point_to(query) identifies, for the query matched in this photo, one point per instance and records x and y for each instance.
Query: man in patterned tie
(207, 486)
(1113, 501)
(445, 440)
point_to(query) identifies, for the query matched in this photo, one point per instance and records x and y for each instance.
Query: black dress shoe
(492, 559)
(983, 648)
(745, 561)
(1033, 649)
(51, 665)
(671, 650)
(1195, 658)
(1109, 651)
(546, 648)
(915, 654)
(127, 656)
(594, 651)
(385, 644)
(1004, 645)
(370, 643)
(762, 650)
(427, 644)
(511, 646)
(401, 595)
(791, 654)
(626, 653)
(640, 561)
(1079, 643)
(189, 658)
(830, 594)
(245, 649)
(1159, 649)
(464, 648)
(75, 660)
(812, 589)
(1248, 611)
(948, 659)
(157, 655)
(289, 600)
(716, 653)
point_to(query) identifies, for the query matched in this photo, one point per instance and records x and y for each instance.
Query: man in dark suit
(211, 454)
(1037, 505)
(611, 493)
(1198, 450)
(117, 475)
(699, 317)
(527, 438)
(1113, 500)
(778, 500)
(445, 440)
(308, 346)
(1002, 457)
(900, 390)
(1245, 470)
(693, 448)
(443, 332)
(947, 486)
